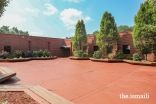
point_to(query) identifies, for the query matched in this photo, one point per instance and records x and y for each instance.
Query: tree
(96, 32)
(26, 33)
(5, 29)
(144, 37)
(80, 37)
(14, 30)
(3, 4)
(108, 35)
(123, 28)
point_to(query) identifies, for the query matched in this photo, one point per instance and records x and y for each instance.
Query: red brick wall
(18, 42)
(126, 39)
(91, 43)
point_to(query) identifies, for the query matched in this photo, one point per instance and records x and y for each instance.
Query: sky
(57, 18)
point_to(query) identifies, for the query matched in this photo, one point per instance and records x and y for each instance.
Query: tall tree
(144, 37)
(14, 30)
(3, 4)
(96, 32)
(5, 29)
(108, 35)
(80, 37)
(123, 28)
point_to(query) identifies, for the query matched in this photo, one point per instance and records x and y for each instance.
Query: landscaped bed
(79, 58)
(140, 62)
(16, 97)
(15, 60)
(106, 60)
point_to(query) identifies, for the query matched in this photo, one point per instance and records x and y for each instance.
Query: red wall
(18, 42)
(126, 39)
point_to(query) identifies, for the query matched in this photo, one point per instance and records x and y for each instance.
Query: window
(126, 49)
(96, 48)
(7, 49)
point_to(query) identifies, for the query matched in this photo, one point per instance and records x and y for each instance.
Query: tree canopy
(108, 35)
(3, 4)
(123, 28)
(144, 35)
(14, 30)
(80, 37)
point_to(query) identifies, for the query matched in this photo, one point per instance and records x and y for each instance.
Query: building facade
(63, 47)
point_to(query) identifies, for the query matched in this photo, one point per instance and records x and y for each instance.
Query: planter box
(106, 60)
(140, 62)
(15, 60)
(79, 58)
(38, 93)
(43, 58)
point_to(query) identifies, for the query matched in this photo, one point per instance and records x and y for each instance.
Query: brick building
(62, 47)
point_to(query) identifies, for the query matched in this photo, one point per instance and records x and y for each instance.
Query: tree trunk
(146, 57)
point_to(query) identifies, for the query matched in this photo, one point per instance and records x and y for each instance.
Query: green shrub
(97, 54)
(78, 53)
(40, 53)
(129, 57)
(84, 55)
(17, 54)
(90, 55)
(119, 55)
(4, 55)
(29, 54)
(35, 54)
(136, 57)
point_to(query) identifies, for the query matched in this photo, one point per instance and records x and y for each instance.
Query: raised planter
(36, 92)
(106, 60)
(79, 58)
(15, 60)
(140, 62)
(27, 59)
(43, 58)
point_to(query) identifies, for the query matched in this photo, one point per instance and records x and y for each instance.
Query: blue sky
(57, 18)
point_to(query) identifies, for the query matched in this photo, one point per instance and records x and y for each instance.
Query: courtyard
(87, 82)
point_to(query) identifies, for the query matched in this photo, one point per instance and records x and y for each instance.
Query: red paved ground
(87, 82)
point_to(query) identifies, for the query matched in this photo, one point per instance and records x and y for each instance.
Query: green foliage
(96, 32)
(136, 57)
(5, 29)
(80, 37)
(123, 28)
(119, 55)
(129, 57)
(108, 35)
(97, 55)
(3, 4)
(78, 53)
(18, 54)
(144, 37)
(90, 55)
(4, 55)
(14, 30)
(29, 54)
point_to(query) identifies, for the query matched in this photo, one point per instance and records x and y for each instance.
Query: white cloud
(12, 20)
(75, 1)
(71, 16)
(36, 33)
(50, 10)
(31, 10)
